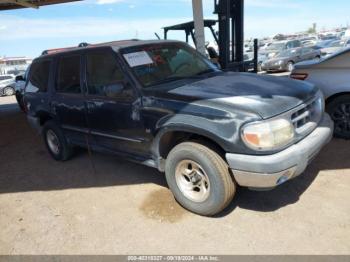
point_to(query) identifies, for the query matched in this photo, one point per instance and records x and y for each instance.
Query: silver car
(7, 85)
(332, 76)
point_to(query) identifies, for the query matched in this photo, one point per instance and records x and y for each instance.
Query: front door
(113, 106)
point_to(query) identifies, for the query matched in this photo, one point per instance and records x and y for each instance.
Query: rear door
(114, 118)
(307, 53)
(68, 100)
(37, 86)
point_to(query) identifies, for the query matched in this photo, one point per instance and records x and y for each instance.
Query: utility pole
(197, 6)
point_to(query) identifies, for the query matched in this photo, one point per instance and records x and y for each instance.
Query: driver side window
(102, 72)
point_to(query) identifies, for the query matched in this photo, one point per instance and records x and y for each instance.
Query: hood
(266, 96)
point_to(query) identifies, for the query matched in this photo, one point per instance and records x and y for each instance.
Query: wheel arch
(167, 139)
(335, 96)
(43, 117)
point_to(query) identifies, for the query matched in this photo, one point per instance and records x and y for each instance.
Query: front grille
(306, 117)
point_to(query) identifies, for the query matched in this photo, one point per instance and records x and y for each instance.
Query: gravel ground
(47, 207)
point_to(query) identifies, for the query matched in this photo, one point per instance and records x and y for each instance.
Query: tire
(290, 66)
(259, 67)
(339, 110)
(8, 91)
(199, 179)
(53, 136)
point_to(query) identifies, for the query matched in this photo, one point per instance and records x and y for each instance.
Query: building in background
(14, 65)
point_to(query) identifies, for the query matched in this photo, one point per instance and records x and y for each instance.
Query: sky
(27, 32)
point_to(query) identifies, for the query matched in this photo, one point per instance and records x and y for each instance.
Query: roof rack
(81, 45)
(57, 50)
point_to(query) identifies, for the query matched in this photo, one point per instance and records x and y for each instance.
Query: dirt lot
(48, 207)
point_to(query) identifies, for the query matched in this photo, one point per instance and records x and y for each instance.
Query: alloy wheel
(53, 142)
(341, 117)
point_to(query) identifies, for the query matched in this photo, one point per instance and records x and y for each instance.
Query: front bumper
(273, 67)
(272, 170)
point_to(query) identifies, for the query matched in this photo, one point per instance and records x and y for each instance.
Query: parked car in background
(329, 37)
(322, 44)
(7, 85)
(346, 34)
(332, 76)
(19, 89)
(308, 43)
(285, 60)
(265, 45)
(277, 47)
(274, 49)
(335, 47)
(164, 105)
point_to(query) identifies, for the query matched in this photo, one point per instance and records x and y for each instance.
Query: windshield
(276, 46)
(160, 63)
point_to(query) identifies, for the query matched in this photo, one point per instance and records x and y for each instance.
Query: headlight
(268, 135)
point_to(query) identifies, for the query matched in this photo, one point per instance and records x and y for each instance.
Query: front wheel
(339, 110)
(199, 178)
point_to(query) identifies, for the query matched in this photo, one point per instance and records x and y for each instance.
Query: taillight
(299, 76)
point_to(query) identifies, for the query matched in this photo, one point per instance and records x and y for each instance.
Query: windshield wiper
(207, 71)
(174, 78)
(177, 78)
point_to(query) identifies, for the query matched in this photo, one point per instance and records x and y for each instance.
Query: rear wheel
(199, 178)
(9, 91)
(56, 142)
(339, 110)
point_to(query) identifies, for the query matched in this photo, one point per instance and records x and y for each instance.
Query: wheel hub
(53, 142)
(341, 117)
(192, 180)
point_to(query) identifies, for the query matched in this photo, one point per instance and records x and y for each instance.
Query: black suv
(162, 104)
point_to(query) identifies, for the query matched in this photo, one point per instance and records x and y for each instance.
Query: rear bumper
(272, 170)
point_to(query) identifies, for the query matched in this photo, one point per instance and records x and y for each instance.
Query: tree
(313, 29)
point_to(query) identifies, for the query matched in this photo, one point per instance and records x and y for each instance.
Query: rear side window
(68, 80)
(297, 44)
(39, 76)
(102, 71)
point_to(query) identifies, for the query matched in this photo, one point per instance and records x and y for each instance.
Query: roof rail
(83, 44)
(56, 50)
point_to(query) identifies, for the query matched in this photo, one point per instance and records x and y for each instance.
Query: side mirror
(19, 78)
(114, 90)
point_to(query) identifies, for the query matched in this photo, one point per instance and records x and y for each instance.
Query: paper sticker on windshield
(138, 58)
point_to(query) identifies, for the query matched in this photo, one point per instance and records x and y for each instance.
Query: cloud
(81, 27)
